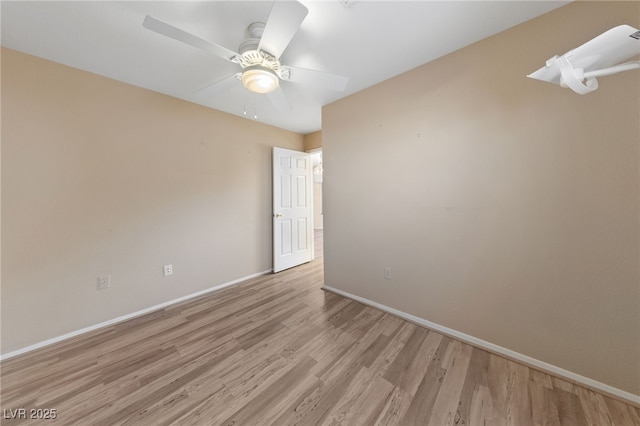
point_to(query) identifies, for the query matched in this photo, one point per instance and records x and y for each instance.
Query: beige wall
(507, 208)
(99, 177)
(313, 141)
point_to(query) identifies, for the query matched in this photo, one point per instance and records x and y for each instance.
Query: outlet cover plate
(168, 270)
(104, 281)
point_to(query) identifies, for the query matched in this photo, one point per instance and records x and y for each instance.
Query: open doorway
(316, 164)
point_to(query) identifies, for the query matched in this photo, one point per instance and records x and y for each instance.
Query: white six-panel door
(292, 209)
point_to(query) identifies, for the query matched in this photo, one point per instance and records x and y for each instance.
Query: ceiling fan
(578, 68)
(259, 55)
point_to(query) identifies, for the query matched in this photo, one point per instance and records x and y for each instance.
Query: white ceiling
(367, 41)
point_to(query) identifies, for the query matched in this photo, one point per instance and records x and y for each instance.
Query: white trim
(128, 316)
(483, 344)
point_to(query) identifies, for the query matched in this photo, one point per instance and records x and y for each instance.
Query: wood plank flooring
(277, 350)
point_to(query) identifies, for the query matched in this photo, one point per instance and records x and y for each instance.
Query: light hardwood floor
(277, 350)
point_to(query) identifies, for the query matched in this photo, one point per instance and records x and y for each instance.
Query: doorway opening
(316, 164)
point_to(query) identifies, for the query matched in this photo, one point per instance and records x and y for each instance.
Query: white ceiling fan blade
(320, 79)
(284, 20)
(279, 100)
(608, 49)
(220, 85)
(170, 31)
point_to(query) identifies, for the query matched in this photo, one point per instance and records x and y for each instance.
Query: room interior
(518, 182)
(506, 209)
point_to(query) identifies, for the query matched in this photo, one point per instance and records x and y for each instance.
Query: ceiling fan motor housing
(254, 34)
(256, 29)
(260, 70)
(248, 45)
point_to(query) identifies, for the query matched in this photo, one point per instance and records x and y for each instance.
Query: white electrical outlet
(168, 270)
(104, 281)
(387, 272)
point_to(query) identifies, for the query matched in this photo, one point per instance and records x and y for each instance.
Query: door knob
(277, 215)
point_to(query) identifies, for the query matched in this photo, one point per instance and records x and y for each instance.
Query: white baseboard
(516, 356)
(127, 317)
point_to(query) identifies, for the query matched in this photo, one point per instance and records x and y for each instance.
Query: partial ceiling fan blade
(279, 100)
(606, 50)
(170, 31)
(220, 85)
(320, 79)
(284, 20)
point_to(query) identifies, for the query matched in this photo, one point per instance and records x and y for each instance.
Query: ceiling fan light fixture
(259, 79)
